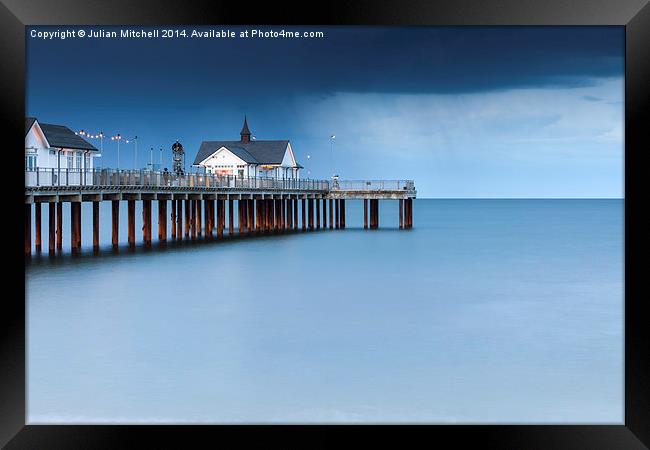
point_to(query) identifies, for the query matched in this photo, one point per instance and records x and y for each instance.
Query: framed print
(423, 217)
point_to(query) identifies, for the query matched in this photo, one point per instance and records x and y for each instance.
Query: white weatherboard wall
(47, 157)
(224, 159)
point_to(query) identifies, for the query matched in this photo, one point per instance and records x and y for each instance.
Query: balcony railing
(373, 185)
(110, 178)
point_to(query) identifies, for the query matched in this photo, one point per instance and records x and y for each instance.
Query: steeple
(245, 133)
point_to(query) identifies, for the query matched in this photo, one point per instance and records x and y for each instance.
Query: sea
(486, 311)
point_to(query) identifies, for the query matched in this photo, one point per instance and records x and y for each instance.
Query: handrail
(107, 178)
(41, 177)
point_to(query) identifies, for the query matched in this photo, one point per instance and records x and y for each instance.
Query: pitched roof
(254, 152)
(29, 121)
(63, 137)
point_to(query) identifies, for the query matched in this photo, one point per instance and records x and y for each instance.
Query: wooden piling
(295, 213)
(193, 219)
(37, 227)
(310, 210)
(130, 209)
(179, 220)
(324, 213)
(337, 214)
(59, 225)
(51, 238)
(220, 218)
(188, 211)
(198, 224)
(75, 226)
(146, 222)
(317, 213)
(95, 225)
(231, 216)
(365, 213)
(250, 208)
(173, 219)
(28, 229)
(401, 213)
(331, 213)
(208, 217)
(115, 222)
(162, 220)
(342, 213)
(304, 213)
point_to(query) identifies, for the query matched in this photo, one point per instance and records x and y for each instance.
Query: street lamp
(118, 138)
(332, 137)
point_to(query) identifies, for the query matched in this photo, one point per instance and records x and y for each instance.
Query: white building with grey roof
(49, 146)
(248, 158)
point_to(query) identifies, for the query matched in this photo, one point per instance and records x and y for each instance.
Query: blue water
(487, 311)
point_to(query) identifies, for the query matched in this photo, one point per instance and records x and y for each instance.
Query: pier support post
(146, 222)
(95, 225)
(342, 213)
(115, 222)
(304, 225)
(51, 238)
(277, 205)
(162, 220)
(310, 211)
(28, 229)
(193, 219)
(324, 213)
(295, 213)
(283, 213)
(331, 213)
(209, 216)
(250, 208)
(401, 213)
(130, 209)
(365, 213)
(197, 217)
(337, 213)
(220, 218)
(376, 213)
(179, 220)
(59, 226)
(188, 219)
(75, 226)
(409, 213)
(231, 216)
(37, 227)
(173, 219)
(318, 213)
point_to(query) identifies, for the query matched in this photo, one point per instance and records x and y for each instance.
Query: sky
(465, 112)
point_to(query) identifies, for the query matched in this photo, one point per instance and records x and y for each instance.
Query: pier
(199, 205)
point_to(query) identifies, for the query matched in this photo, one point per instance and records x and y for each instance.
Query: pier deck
(263, 204)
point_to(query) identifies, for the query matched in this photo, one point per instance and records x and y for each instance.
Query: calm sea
(486, 311)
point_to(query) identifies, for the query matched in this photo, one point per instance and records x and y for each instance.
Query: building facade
(248, 157)
(57, 147)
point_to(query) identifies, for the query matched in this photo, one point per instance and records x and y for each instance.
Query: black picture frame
(633, 14)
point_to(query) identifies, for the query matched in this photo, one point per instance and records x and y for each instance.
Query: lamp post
(161, 155)
(118, 138)
(332, 137)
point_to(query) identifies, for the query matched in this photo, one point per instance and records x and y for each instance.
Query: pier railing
(373, 185)
(40, 177)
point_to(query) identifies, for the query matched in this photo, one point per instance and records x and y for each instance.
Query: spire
(245, 132)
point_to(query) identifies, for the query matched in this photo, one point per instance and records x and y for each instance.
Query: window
(70, 159)
(78, 160)
(87, 162)
(30, 162)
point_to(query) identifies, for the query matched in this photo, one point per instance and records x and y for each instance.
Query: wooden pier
(200, 205)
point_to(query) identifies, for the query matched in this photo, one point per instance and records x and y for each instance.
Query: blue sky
(464, 111)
